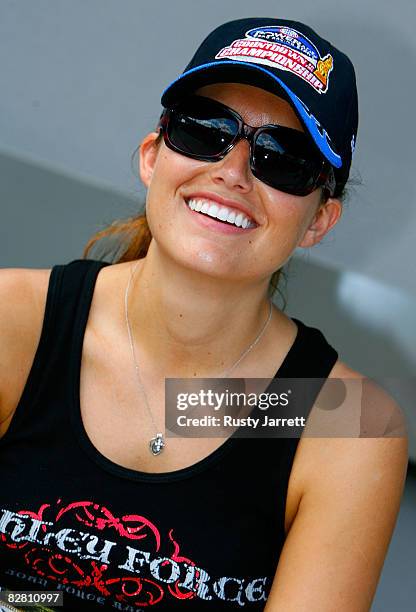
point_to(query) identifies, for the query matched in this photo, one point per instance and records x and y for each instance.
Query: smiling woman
(282, 221)
(283, 137)
(248, 161)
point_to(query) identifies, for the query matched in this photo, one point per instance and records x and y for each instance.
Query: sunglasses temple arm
(162, 119)
(329, 182)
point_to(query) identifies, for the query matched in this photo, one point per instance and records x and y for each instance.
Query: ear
(324, 219)
(148, 151)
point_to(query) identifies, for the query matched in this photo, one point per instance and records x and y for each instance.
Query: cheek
(287, 219)
(173, 171)
(290, 216)
(172, 175)
(169, 173)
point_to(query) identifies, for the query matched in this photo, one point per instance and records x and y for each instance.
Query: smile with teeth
(222, 213)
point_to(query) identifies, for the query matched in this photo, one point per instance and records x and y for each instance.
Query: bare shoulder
(376, 425)
(342, 370)
(350, 494)
(372, 434)
(23, 294)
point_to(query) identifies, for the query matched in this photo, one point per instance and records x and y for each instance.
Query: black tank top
(206, 537)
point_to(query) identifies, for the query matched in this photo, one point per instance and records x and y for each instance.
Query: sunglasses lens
(201, 129)
(284, 159)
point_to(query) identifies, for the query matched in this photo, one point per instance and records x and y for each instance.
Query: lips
(223, 201)
(211, 223)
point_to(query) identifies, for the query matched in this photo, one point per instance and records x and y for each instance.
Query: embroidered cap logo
(283, 48)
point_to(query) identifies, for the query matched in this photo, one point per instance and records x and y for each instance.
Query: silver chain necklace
(157, 444)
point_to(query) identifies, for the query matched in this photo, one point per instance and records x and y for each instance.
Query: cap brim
(232, 71)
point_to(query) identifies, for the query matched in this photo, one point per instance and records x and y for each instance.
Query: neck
(193, 324)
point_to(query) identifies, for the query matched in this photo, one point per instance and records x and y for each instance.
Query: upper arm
(335, 549)
(22, 305)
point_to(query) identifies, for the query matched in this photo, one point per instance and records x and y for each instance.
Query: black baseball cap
(291, 60)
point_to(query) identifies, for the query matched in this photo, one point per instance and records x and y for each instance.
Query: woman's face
(284, 221)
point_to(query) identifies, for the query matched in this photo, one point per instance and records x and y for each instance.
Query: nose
(234, 170)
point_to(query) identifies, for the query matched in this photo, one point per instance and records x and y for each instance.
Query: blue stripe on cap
(318, 133)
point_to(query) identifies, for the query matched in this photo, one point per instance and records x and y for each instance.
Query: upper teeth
(223, 213)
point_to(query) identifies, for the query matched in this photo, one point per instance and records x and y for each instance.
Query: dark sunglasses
(282, 157)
